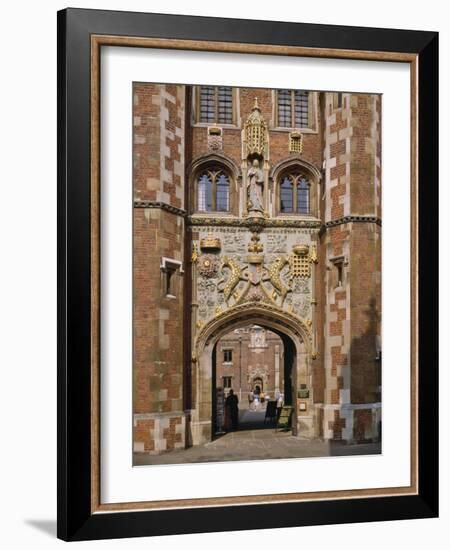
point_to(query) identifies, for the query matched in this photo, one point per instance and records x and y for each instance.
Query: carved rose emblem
(255, 295)
(208, 266)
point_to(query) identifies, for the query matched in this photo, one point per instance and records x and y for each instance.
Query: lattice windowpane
(286, 195)
(284, 108)
(225, 107)
(301, 109)
(207, 104)
(223, 193)
(205, 195)
(302, 196)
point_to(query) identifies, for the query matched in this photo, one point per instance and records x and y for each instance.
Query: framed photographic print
(247, 274)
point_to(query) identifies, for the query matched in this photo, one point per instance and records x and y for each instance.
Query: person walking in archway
(232, 406)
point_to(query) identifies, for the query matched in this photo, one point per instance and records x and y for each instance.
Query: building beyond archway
(296, 368)
(255, 363)
(250, 358)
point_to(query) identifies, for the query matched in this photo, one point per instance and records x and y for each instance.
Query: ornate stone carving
(215, 140)
(274, 276)
(255, 132)
(299, 262)
(300, 286)
(254, 224)
(208, 266)
(194, 256)
(300, 259)
(206, 292)
(255, 187)
(235, 275)
(234, 243)
(285, 318)
(255, 247)
(256, 295)
(210, 243)
(276, 271)
(302, 307)
(276, 243)
(300, 249)
(296, 142)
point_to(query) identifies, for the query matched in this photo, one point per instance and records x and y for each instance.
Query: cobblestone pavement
(256, 441)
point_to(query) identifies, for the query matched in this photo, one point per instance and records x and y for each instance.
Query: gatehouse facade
(256, 207)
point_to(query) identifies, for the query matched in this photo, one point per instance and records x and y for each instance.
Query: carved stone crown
(210, 243)
(300, 249)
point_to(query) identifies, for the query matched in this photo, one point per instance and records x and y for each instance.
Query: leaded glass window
(207, 104)
(294, 194)
(205, 193)
(213, 191)
(293, 108)
(216, 104)
(287, 195)
(303, 196)
(222, 193)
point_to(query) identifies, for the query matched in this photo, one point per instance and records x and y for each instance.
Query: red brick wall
(249, 359)
(279, 140)
(365, 299)
(146, 140)
(158, 116)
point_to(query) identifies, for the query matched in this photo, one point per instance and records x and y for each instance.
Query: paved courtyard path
(256, 440)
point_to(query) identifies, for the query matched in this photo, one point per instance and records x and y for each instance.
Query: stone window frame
(313, 114)
(338, 101)
(225, 361)
(296, 178)
(227, 377)
(300, 167)
(169, 268)
(195, 119)
(214, 174)
(338, 264)
(214, 161)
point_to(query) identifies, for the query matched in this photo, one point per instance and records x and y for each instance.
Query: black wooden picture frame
(77, 518)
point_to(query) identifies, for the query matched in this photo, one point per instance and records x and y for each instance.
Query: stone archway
(287, 326)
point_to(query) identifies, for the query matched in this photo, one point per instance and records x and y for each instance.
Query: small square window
(226, 382)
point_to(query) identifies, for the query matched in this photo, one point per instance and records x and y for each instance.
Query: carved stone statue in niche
(255, 178)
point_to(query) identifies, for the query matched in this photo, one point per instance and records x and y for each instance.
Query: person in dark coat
(231, 404)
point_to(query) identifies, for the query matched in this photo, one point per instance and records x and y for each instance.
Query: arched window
(294, 194)
(286, 195)
(302, 196)
(213, 191)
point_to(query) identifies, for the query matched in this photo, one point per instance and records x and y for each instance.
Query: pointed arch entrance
(297, 348)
